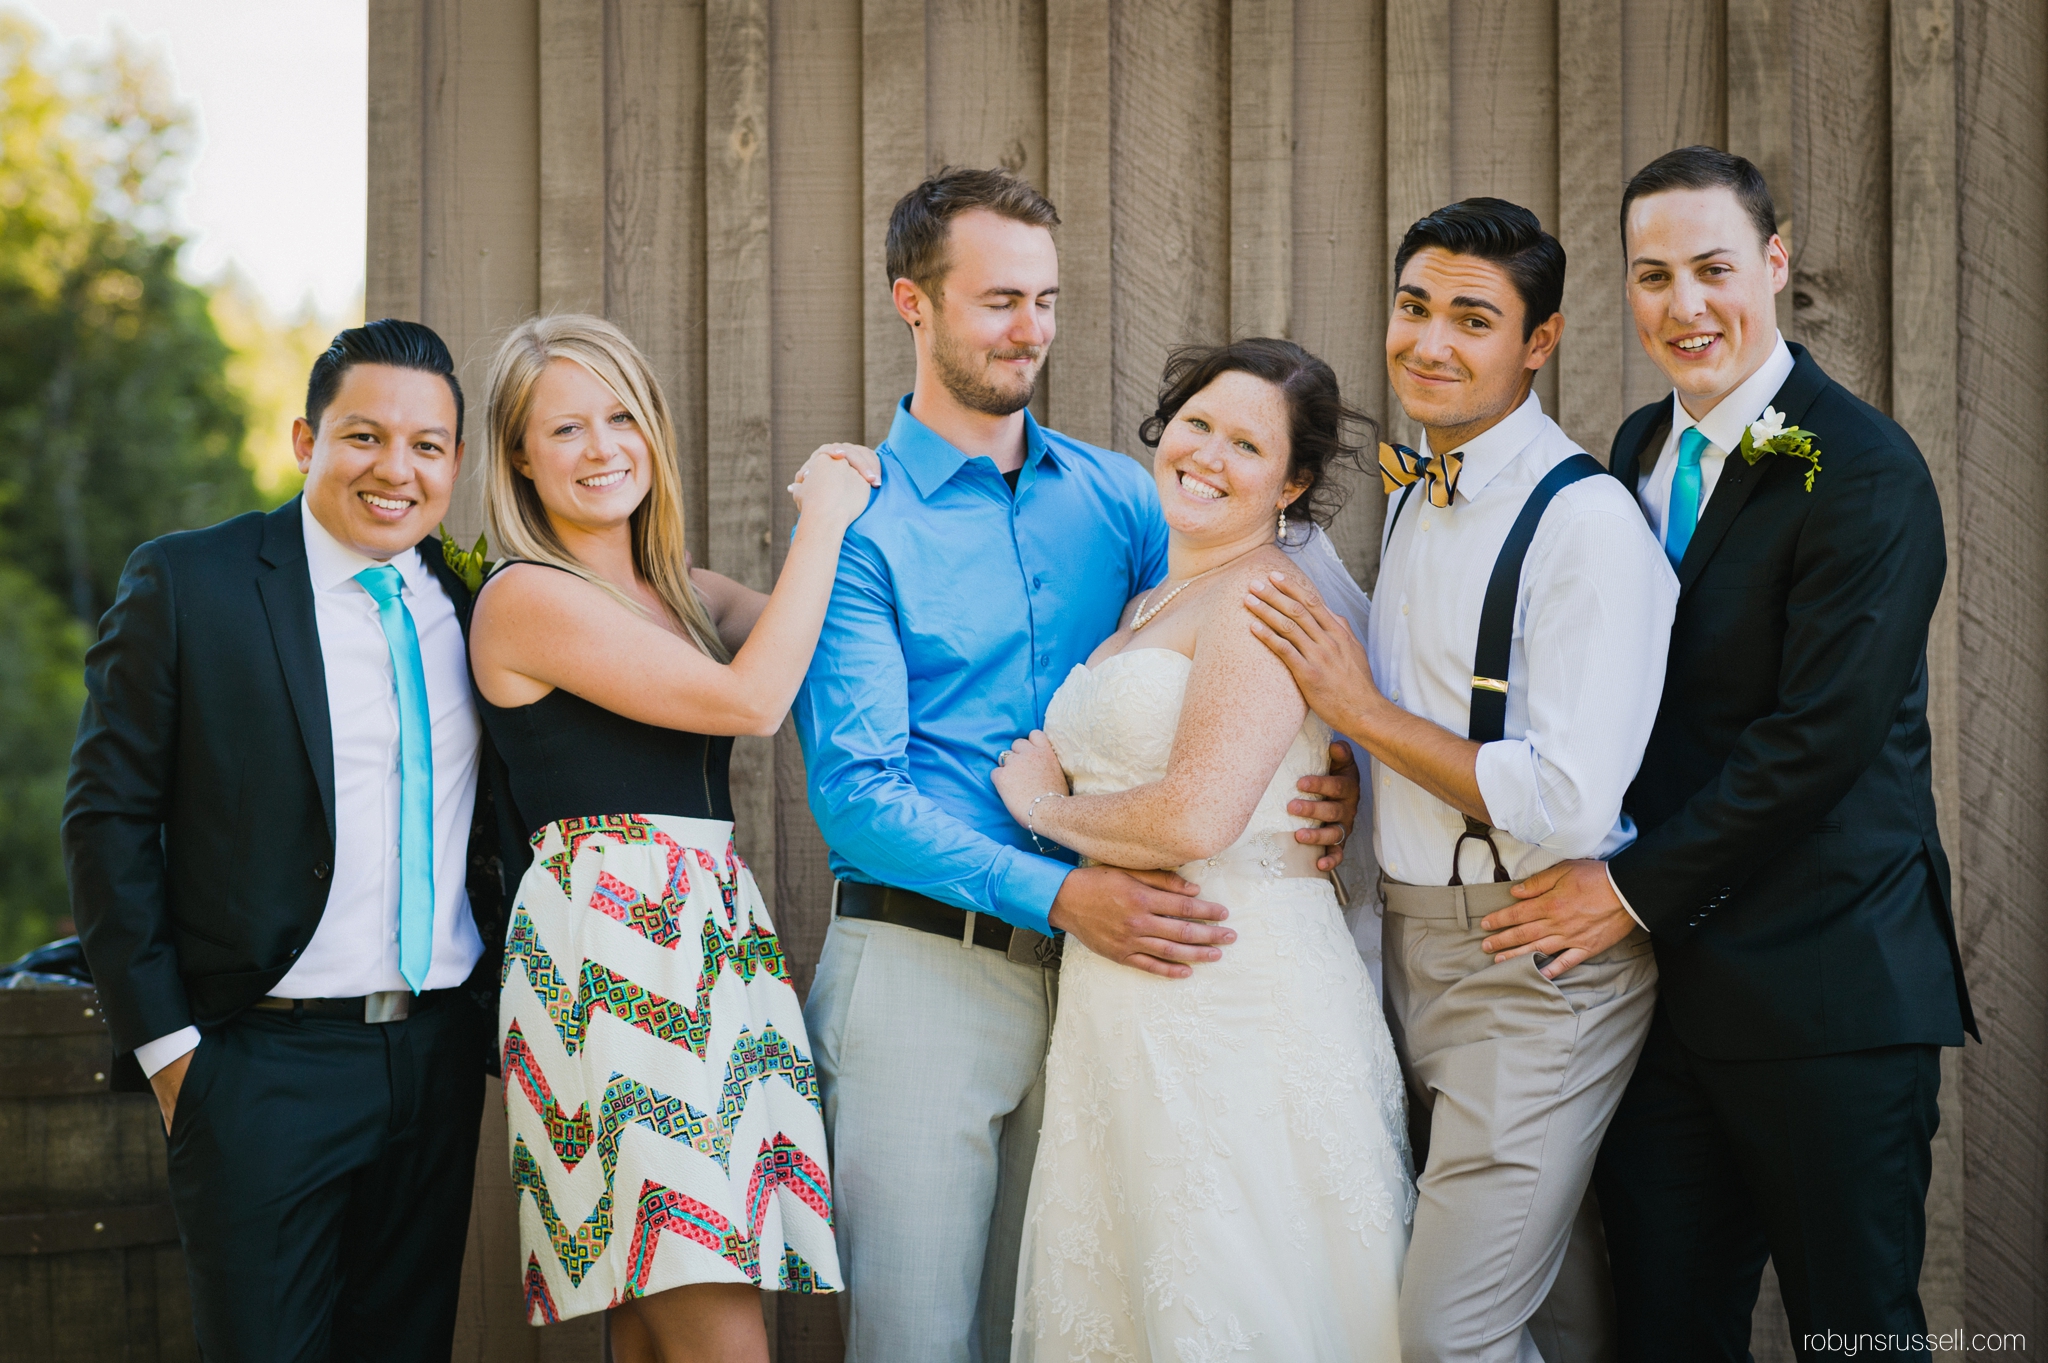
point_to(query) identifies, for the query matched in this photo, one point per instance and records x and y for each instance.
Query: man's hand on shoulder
(1568, 912)
(167, 1081)
(1149, 920)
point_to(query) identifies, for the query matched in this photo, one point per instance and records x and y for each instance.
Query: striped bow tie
(1400, 466)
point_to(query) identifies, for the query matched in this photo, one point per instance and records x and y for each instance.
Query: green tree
(118, 422)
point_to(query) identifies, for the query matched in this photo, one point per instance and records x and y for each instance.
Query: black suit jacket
(199, 816)
(1788, 866)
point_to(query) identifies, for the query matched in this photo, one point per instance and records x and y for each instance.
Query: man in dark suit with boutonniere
(1788, 869)
(287, 882)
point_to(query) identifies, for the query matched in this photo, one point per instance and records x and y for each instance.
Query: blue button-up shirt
(958, 611)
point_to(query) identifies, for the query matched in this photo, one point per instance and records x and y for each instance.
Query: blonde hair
(518, 522)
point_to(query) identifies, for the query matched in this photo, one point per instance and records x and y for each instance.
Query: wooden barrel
(90, 1268)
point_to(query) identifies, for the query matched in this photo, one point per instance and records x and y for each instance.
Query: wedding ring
(1003, 757)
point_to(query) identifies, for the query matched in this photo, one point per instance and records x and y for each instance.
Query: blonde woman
(666, 1139)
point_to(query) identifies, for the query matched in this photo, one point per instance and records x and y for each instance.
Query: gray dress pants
(931, 1058)
(1512, 1082)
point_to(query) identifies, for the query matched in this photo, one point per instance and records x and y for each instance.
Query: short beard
(972, 390)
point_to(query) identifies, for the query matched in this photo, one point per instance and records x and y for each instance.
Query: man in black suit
(287, 884)
(1788, 870)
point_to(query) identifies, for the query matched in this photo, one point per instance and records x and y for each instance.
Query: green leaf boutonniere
(1769, 434)
(469, 564)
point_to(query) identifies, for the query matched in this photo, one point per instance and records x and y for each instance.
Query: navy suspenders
(1489, 707)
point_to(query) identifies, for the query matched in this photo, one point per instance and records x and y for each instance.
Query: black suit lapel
(287, 591)
(1636, 439)
(1739, 477)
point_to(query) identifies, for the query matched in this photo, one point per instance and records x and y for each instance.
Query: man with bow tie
(1518, 637)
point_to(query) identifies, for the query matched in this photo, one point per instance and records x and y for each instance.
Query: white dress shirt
(354, 949)
(1723, 428)
(1586, 666)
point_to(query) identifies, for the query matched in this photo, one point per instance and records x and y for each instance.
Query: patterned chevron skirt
(659, 1088)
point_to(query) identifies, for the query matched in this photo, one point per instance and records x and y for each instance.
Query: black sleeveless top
(567, 758)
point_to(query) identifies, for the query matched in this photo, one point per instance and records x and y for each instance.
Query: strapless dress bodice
(1114, 723)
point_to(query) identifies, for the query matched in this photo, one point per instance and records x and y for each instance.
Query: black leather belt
(908, 909)
(394, 1005)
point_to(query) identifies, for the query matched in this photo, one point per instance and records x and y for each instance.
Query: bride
(1223, 1168)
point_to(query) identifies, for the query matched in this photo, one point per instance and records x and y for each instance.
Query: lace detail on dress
(1224, 1161)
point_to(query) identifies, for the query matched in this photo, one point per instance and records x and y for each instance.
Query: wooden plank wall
(716, 176)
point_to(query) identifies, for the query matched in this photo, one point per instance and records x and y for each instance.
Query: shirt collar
(931, 460)
(330, 563)
(1723, 427)
(1493, 449)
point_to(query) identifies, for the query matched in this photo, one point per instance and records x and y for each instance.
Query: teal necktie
(415, 776)
(1685, 495)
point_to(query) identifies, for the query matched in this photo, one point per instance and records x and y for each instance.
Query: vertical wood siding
(716, 175)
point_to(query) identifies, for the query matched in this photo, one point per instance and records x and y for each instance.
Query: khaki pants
(1512, 1080)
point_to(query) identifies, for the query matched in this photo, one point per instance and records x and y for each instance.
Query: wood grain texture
(1079, 373)
(480, 191)
(396, 250)
(985, 85)
(2002, 535)
(1674, 93)
(1504, 121)
(1261, 167)
(1418, 131)
(738, 386)
(572, 155)
(654, 213)
(1841, 192)
(1341, 255)
(1170, 212)
(816, 296)
(1598, 331)
(1760, 109)
(894, 158)
(1923, 339)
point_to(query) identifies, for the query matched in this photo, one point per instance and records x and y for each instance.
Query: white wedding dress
(1223, 1171)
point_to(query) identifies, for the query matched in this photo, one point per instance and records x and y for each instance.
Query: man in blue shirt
(994, 558)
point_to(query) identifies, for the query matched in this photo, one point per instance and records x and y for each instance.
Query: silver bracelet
(1031, 817)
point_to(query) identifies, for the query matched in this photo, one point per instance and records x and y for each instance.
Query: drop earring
(1280, 531)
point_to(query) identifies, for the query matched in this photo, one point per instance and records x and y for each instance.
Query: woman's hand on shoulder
(834, 484)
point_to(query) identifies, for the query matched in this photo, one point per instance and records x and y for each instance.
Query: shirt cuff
(1630, 908)
(154, 1055)
(1505, 775)
(1025, 886)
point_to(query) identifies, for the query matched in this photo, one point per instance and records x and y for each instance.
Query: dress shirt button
(1425, 522)
(1404, 608)
(320, 870)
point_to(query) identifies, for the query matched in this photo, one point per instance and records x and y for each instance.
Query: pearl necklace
(1146, 616)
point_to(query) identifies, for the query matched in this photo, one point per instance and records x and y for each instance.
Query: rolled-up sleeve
(1596, 605)
(853, 718)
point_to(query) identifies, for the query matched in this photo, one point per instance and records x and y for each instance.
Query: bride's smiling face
(1222, 461)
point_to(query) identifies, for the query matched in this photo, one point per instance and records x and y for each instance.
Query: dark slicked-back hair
(1508, 235)
(403, 345)
(1705, 168)
(1316, 415)
(923, 218)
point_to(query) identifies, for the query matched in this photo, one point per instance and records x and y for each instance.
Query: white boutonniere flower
(1769, 434)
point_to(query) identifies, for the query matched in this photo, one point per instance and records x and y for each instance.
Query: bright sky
(278, 187)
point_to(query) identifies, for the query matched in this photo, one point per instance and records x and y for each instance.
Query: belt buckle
(387, 1005)
(1033, 948)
